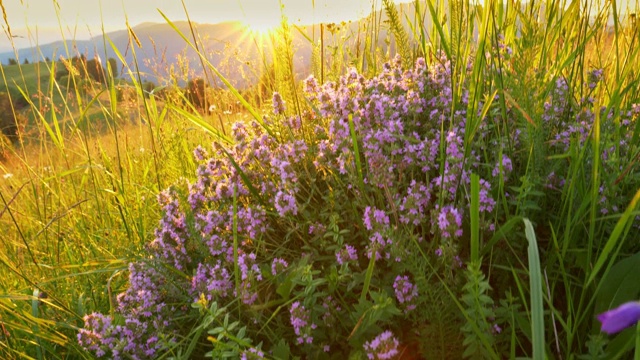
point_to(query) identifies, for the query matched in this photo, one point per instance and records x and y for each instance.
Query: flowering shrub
(303, 224)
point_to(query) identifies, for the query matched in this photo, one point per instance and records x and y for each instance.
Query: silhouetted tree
(10, 119)
(147, 88)
(96, 71)
(26, 61)
(195, 93)
(86, 69)
(114, 67)
(12, 62)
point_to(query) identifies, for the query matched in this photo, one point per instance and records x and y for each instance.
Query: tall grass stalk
(535, 285)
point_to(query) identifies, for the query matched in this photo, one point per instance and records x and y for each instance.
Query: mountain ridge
(230, 46)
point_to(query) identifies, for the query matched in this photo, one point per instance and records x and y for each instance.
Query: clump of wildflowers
(594, 77)
(261, 201)
(213, 281)
(253, 190)
(252, 354)
(145, 329)
(406, 292)
(348, 253)
(383, 347)
(278, 104)
(278, 265)
(377, 221)
(448, 221)
(301, 323)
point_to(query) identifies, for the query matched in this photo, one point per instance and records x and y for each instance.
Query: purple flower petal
(618, 319)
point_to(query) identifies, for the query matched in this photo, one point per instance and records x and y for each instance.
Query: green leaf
(619, 285)
(284, 289)
(281, 351)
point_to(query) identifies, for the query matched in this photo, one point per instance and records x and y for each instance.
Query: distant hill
(229, 46)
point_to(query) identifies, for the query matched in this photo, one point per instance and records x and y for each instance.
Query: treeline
(11, 118)
(12, 61)
(86, 69)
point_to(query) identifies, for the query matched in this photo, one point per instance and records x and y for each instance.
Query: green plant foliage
(479, 314)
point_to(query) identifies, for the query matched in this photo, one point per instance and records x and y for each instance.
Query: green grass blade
(614, 239)
(443, 38)
(535, 283)
(475, 217)
(369, 275)
(35, 312)
(501, 233)
(200, 122)
(636, 355)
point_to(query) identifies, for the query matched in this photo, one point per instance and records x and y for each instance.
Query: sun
(262, 26)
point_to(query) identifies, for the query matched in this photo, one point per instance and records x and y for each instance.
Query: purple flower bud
(618, 319)
(278, 104)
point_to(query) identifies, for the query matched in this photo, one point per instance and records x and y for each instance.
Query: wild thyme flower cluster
(348, 253)
(377, 221)
(289, 200)
(301, 323)
(402, 156)
(140, 335)
(406, 292)
(383, 347)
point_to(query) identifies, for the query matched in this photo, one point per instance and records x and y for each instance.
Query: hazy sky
(40, 21)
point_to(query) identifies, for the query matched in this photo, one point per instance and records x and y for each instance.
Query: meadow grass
(493, 151)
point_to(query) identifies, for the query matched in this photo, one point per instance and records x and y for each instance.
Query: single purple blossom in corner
(616, 320)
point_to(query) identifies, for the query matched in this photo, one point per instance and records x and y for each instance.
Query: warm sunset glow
(262, 27)
(41, 21)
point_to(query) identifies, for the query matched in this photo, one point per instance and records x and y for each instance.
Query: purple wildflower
(406, 292)
(213, 281)
(348, 253)
(449, 222)
(200, 153)
(278, 104)
(302, 326)
(251, 354)
(384, 346)
(285, 203)
(250, 275)
(278, 265)
(622, 317)
(594, 77)
(507, 167)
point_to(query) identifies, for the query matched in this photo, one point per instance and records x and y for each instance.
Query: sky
(35, 22)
